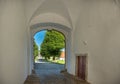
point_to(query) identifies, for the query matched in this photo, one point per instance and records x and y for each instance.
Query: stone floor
(32, 79)
(49, 73)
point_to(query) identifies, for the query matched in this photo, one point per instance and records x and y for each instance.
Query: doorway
(81, 66)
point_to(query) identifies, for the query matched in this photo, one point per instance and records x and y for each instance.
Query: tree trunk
(53, 57)
(45, 58)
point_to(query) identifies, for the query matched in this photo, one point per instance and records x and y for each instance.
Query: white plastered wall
(97, 33)
(50, 17)
(13, 54)
(0, 43)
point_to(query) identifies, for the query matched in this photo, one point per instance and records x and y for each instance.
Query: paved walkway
(49, 73)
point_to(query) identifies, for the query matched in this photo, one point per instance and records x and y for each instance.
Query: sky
(39, 37)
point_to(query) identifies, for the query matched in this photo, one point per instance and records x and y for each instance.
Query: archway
(61, 28)
(49, 47)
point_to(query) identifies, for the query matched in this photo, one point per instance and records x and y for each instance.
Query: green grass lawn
(52, 61)
(57, 61)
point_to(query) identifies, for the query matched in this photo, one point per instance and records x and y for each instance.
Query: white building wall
(0, 40)
(98, 26)
(13, 46)
(0, 50)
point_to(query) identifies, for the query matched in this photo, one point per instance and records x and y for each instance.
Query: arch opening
(49, 46)
(51, 26)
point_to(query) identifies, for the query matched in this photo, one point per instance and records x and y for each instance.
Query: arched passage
(61, 28)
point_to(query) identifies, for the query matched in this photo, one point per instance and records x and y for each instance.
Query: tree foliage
(52, 44)
(35, 49)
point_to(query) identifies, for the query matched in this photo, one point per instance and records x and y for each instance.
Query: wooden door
(81, 67)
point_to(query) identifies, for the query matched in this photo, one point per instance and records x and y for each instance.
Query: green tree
(52, 44)
(35, 49)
